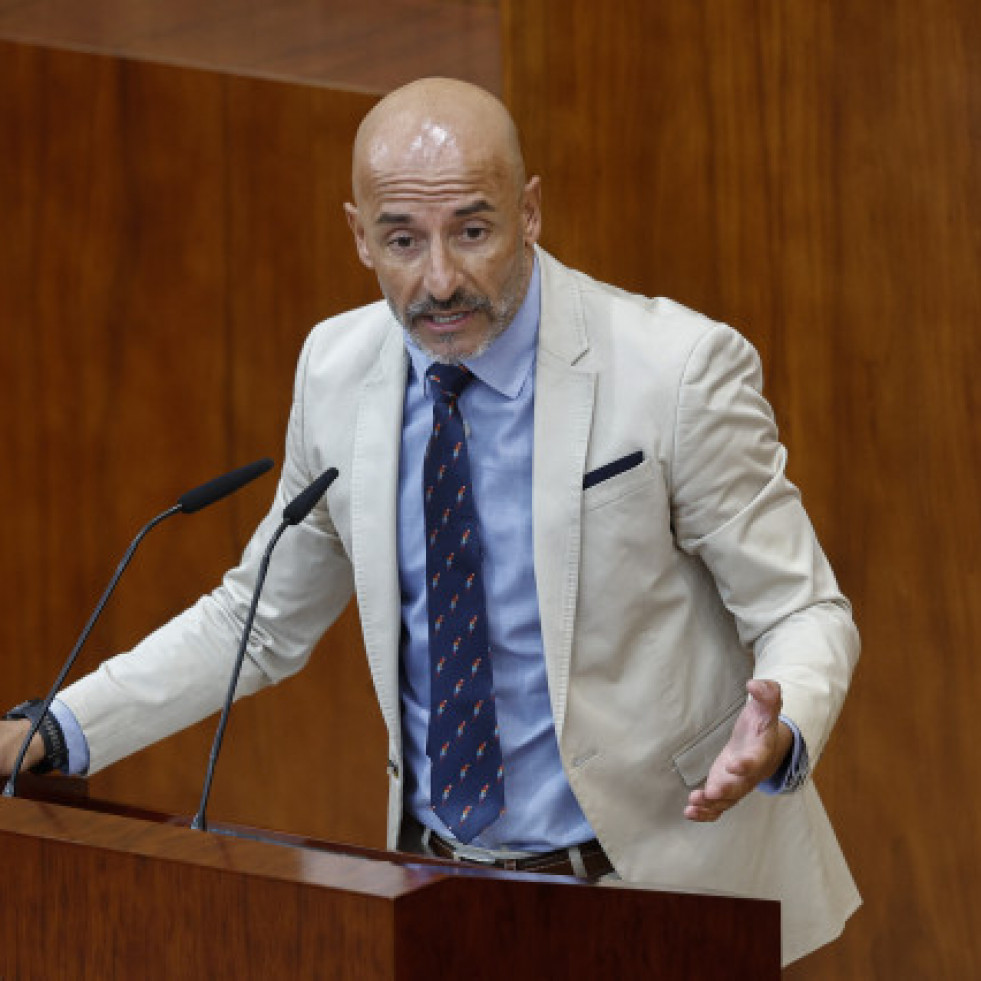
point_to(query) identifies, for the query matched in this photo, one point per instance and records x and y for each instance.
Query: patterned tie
(467, 790)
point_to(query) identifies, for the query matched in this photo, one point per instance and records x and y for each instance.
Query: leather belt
(585, 861)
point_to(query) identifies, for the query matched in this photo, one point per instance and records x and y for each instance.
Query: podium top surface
(148, 893)
(169, 839)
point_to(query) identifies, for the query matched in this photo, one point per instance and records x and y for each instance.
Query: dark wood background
(169, 237)
(348, 44)
(810, 173)
(807, 172)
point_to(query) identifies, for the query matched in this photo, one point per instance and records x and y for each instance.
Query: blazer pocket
(694, 760)
(614, 487)
(610, 470)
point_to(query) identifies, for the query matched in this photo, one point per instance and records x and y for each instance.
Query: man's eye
(474, 233)
(401, 242)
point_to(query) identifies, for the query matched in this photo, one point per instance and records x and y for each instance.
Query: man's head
(443, 213)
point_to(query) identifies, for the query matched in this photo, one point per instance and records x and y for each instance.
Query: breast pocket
(616, 480)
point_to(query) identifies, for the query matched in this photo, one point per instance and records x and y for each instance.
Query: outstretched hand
(758, 745)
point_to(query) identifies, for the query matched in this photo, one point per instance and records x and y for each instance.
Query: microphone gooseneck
(194, 500)
(293, 514)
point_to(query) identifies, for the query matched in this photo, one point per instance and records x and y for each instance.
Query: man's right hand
(12, 735)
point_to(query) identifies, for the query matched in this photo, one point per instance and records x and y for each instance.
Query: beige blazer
(661, 590)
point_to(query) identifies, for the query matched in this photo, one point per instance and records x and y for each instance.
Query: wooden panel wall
(169, 236)
(810, 173)
(373, 46)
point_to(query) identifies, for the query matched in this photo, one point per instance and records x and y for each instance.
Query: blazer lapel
(563, 416)
(374, 530)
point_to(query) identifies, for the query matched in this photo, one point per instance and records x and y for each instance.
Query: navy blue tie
(467, 790)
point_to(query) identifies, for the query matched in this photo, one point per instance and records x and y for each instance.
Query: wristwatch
(55, 747)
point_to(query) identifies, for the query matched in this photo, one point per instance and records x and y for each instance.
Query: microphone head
(303, 503)
(228, 483)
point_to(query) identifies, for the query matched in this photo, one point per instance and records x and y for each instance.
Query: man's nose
(441, 272)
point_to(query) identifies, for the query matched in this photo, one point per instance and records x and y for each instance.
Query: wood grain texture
(809, 173)
(127, 898)
(370, 46)
(135, 898)
(170, 236)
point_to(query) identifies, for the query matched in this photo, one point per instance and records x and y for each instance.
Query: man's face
(448, 233)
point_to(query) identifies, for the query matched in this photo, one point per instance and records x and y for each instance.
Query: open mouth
(447, 321)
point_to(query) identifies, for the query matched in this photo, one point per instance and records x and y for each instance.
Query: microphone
(194, 500)
(214, 490)
(293, 514)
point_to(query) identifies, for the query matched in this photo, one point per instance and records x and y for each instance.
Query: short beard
(499, 316)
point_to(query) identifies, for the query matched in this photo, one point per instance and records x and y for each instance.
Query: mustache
(460, 300)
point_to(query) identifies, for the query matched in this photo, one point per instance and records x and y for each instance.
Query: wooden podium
(92, 890)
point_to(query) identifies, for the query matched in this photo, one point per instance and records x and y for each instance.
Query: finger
(728, 786)
(734, 770)
(704, 806)
(767, 695)
(706, 814)
(700, 815)
(726, 794)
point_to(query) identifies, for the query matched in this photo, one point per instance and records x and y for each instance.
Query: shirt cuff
(795, 768)
(78, 747)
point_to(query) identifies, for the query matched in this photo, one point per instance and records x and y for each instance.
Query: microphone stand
(10, 788)
(188, 503)
(199, 823)
(293, 514)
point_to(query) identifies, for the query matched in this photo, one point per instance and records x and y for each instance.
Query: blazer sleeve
(734, 507)
(179, 674)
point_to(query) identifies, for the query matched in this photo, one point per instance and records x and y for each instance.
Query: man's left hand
(758, 745)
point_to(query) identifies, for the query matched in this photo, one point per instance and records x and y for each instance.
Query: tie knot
(448, 380)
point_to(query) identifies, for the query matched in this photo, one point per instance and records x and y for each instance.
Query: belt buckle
(487, 863)
(474, 857)
(459, 855)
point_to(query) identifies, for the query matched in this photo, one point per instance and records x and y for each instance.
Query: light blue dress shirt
(498, 412)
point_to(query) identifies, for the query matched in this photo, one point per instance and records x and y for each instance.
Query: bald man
(662, 644)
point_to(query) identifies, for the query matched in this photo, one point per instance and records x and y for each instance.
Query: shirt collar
(506, 364)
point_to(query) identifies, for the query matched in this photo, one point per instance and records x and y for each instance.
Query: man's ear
(531, 210)
(357, 229)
